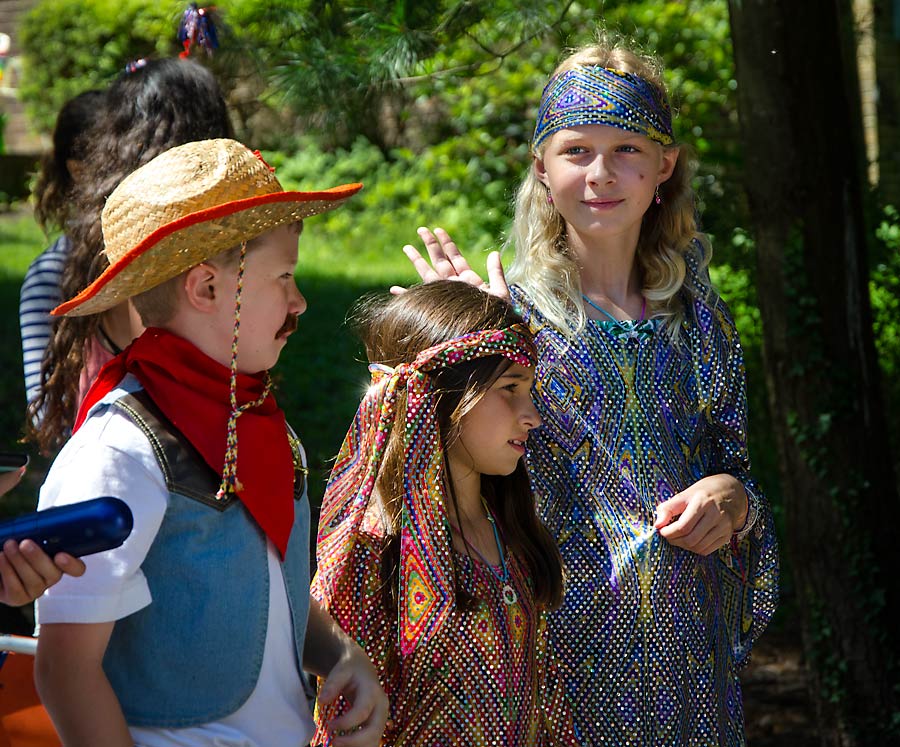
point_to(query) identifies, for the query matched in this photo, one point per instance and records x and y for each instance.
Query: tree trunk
(801, 128)
(886, 28)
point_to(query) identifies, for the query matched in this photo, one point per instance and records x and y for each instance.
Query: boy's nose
(298, 302)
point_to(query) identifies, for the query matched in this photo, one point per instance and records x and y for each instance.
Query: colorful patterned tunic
(650, 636)
(484, 679)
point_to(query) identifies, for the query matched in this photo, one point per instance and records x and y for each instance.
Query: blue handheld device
(80, 529)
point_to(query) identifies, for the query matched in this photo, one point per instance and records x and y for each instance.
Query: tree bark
(801, 129)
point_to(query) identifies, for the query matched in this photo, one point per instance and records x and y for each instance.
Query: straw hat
(184, 207)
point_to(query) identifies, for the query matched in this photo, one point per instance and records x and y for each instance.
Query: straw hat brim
(194, 238)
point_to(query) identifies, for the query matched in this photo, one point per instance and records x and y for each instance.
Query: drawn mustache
(289, 326)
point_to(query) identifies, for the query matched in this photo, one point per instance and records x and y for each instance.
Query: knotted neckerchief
(591, 94)
(193, 391)
(427, 589)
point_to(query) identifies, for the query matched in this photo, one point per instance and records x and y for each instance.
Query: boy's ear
(201, 287)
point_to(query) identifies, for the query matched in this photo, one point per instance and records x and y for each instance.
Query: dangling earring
(549, 197)
(658, 199)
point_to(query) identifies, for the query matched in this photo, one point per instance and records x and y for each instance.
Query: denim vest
(194, 654)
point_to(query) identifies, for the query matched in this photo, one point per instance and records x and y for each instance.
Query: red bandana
(192, 391)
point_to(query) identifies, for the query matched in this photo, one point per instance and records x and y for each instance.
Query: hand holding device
(79, 529)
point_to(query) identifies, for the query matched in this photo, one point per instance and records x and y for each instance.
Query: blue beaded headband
(600, 95)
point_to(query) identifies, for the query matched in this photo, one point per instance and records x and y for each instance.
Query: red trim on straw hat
(201, 216)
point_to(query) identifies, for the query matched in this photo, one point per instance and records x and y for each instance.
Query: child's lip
(603, 203)
(518, 444)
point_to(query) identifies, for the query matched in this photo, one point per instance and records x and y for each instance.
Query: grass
(20, 241)
(319, 378)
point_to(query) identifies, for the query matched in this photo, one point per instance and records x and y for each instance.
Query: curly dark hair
(168, 102)
(73, 124)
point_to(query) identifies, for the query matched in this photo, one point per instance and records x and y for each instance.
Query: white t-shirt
(109, 455)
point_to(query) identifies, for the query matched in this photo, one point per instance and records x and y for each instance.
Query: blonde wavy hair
(549, 273)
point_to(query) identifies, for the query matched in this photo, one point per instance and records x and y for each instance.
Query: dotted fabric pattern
(485, 678)
(651, 636)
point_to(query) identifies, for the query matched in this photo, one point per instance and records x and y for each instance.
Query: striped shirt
(39, 295)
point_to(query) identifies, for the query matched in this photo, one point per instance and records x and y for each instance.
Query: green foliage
(20, 239)
(448, 184)
(71, 46)
(344, 65)
(407, 75)
(434, 103)
(884, 288)
(830, 664)
(474, 99)
(735, 284)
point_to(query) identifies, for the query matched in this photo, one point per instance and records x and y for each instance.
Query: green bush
(885, 291)
(451, 184)
(884, 288)
(70, 46)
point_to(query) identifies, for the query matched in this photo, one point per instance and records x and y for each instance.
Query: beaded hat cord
(230, 482)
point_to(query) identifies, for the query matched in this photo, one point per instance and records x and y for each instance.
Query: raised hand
(448, 263)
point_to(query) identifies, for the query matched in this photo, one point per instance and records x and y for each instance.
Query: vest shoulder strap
(182, 466)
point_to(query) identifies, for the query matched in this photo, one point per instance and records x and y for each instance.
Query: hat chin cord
(230, 482)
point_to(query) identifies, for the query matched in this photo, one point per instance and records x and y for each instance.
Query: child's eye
(575, 150)
(629, 149)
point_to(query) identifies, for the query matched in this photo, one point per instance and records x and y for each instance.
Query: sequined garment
(484, 679)
(650, 636)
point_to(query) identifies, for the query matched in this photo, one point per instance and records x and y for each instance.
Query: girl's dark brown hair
(166, 103)
(394, 332)
(74, 122)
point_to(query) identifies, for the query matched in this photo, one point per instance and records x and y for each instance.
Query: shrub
(70, 46)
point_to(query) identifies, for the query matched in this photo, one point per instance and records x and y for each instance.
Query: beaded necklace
(508, 592)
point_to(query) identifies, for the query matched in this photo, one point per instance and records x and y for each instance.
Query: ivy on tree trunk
(801, 126)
